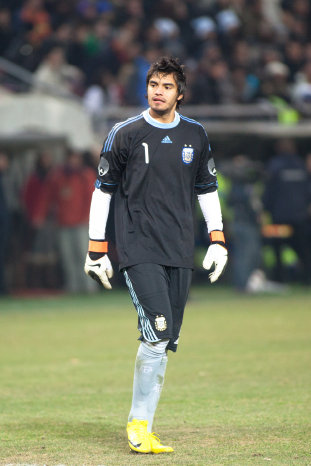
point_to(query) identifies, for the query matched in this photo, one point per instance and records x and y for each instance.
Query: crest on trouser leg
(160, 323)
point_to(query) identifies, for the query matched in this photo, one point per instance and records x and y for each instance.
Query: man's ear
(180, 97)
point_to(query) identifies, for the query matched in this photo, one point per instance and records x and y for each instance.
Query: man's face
(162, 93)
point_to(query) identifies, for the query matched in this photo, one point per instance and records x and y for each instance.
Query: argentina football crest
(160, 323)
(187, 154)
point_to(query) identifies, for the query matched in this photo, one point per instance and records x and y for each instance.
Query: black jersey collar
(157, 124)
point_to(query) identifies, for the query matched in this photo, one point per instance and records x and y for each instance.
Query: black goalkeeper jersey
(156, 169)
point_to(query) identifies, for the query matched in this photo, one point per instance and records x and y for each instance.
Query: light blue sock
(149, 373)
(155, 394)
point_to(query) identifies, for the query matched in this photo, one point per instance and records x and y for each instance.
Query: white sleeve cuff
(99, 214)
(211, 210)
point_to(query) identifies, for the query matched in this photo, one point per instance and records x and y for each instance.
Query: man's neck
(162, 117)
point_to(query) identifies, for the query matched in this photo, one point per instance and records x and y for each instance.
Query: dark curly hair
(170, 65)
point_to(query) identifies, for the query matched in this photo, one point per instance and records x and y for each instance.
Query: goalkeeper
(155, 164)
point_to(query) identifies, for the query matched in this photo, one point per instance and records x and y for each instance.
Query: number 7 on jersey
(145, 145)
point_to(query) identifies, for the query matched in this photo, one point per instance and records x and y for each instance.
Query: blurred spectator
(90, 48)
(302, 89)
(90, 9)
(212, 84)
(103, 91)
(294, 58)
(34, 185)
(6, 29)
(170, 36)
(242, 55)
(41, 242)
(35, 19)
(229, 27)
(205, 32)
(296, 17)
(67, 194)
(244, 200)
(246, 85)
(272, 12)
(275, 81)
(55, 75)
(31, 25)
(276, 87)
(286, 200)
(4, 224)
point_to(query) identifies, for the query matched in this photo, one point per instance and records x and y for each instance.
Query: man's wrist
(97, 249)
(218, 237)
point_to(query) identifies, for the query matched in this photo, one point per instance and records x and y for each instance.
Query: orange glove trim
(98, 246)
(217, 236)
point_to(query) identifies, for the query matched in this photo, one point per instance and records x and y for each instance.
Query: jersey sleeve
(113, 158)
(206, 179)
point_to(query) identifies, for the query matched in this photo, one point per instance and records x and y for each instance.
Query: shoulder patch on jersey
(187, 154)
(211, 167)
(103, 166)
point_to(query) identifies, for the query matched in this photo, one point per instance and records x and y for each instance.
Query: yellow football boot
(138, 437)
(156, 446)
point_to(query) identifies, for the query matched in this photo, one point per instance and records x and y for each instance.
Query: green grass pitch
(237, 392)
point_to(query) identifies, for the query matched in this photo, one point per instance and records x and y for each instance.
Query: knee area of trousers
(156, 349)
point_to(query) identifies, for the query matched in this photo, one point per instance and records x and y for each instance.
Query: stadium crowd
(236, 51)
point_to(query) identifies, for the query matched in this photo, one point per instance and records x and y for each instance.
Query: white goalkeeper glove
(217, 255)
(100, 270)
